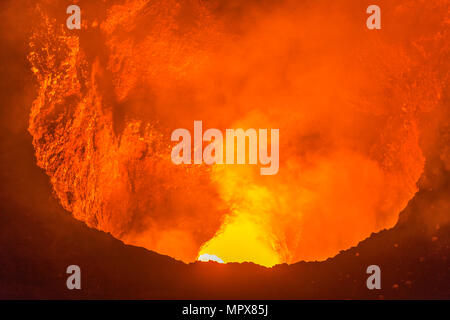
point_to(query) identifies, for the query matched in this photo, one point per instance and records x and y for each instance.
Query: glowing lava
(209, 257)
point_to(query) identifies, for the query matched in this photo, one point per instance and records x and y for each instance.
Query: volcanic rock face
(123, 184)
(353, 109)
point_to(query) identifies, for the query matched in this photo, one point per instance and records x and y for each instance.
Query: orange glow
(351, 106)
(242, 241)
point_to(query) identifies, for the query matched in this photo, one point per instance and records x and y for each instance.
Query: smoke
(351, 105)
